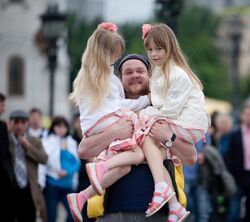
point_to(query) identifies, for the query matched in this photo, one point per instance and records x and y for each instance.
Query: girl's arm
(186, 152)
(91, 146)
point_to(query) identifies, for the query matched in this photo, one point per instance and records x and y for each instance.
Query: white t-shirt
(112, 103)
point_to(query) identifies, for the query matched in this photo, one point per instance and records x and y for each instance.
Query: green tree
(197, 34)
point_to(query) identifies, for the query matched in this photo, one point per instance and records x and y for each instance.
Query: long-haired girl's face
(156, 53)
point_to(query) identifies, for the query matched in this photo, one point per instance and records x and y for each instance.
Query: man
(123, 202)
(2, 103)
(7, 178)
(237, 159)
(35, 124)
(26, 153)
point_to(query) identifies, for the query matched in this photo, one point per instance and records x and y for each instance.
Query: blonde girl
(177, 99)
(101, 100)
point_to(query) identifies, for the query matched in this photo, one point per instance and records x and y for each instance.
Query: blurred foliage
(245, 87)
(168, 11)
(197, 33)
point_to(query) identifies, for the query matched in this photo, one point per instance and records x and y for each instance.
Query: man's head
(18, 122)
(35, 118)
(134, 70)
(2, 103)
(245, 114)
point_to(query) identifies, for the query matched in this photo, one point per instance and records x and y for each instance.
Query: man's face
(2, 107)
(135, 78)
(245, 117)
(35, 120)
(18, 126)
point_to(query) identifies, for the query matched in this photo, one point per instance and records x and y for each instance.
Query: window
(16, 76)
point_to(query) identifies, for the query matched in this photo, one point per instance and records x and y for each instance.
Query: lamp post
(235, 33)
(53, 25)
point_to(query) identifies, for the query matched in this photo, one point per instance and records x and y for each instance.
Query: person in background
(122, 202)
(26, 153)
(2, 103)
(237, 159)
(35, 124)
(36, 129)
(62, 167)
(198, 200)
(7, 176)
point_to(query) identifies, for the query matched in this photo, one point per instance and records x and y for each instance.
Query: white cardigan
(52, 147)
(113, 102)
(183, 103)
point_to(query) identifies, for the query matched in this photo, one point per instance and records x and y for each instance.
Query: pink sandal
(167, 194)
(181, 213)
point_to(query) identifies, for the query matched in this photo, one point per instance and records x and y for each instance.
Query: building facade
(24, 74)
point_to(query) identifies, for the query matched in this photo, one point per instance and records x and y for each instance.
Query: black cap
(134, 56)
(19, 114)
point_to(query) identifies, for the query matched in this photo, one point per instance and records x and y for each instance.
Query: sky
(121, 11)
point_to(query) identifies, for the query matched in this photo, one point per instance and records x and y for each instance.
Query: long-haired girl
(101, 100)
(177, 99)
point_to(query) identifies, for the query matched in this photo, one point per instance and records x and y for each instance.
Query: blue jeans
(197, 201)
(234, 207)
(53, 195)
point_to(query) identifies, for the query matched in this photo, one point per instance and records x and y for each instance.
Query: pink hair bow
(109, 26)
(145, 30)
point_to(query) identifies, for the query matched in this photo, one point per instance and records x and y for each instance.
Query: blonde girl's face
(156, 54)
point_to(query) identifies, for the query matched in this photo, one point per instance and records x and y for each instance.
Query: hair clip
(145, 30)
(109, 26)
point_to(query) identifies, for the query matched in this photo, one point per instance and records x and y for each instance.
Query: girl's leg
(76, 201)
(96, 171)
(163, 193)
(154, 159)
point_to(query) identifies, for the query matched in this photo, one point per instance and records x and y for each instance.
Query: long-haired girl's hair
(92, 80)
(163, 36)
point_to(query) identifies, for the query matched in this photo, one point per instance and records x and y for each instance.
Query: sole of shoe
(73, 205)
(163, 203)
(185, 216)
(90, 168)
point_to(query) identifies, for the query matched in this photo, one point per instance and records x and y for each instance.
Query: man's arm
(160, 131)
(91, 146)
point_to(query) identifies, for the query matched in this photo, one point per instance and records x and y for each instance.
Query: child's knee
(140, 156)
(124, 170)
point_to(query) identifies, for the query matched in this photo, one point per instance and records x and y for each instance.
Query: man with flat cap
(26, 153)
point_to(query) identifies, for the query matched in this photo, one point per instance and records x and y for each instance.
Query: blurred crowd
(47, 167)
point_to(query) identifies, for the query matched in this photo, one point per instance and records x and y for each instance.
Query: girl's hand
(62, 173)
(160, 131)
(122, 129)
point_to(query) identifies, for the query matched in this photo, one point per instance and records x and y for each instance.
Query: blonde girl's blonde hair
(163, 36)
(92, 80)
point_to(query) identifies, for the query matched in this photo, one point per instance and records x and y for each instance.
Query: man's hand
(24, 143)
(122, 129)
(160, 131)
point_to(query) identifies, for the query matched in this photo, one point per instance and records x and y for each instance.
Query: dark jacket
(214, 175)
(235, 161)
